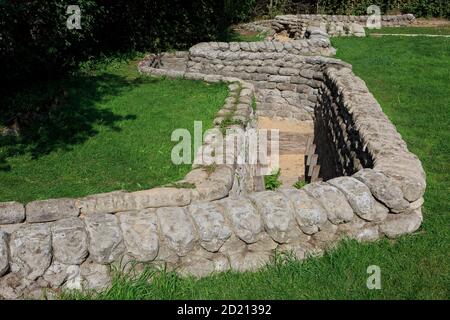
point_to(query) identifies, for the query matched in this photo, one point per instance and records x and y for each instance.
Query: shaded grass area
(444, 30)
(410, 78)
(244, 36)
(113, 131)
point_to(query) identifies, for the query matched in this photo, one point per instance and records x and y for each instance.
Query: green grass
(112, 132)
(271, 181)
(234, 36)
(410, 78)
(300, 184)
(412, 30)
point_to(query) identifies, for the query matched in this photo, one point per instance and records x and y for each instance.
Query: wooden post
(312, 164)
(315, 174)
(312, 169)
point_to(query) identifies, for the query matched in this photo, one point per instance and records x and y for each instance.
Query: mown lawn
(412, 30)
(112, 132)
(410, 77)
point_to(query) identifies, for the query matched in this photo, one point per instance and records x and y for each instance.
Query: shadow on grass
(231, 35)
(57, 125)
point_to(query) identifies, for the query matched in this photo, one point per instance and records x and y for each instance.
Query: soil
(282, 37)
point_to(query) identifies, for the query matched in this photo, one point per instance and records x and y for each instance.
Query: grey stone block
(105, 238)
(105, 203)
(360, 198)
(333, 200)
(401, 224)
(309, 213)
(277, 215)
(4, 253)
(211, 225)
(159, 197)
(69, 241)
(51, 210)
(383, 188)
(177, 230)
(11, 212)
(31, 250)
(245, 220)
(279, 78)
(140, 234)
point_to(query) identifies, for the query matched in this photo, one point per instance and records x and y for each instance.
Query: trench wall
(296, 26)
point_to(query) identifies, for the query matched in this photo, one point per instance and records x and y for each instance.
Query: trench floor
(292, 138)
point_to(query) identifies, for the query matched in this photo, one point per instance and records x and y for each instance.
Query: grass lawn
(245, 36)
(410, 77)
(112, 132)
(412, 30)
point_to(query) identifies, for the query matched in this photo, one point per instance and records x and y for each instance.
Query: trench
(317, 137)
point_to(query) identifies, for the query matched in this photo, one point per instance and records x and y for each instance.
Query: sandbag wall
(335, 25)
(340, 147)
(287, 75)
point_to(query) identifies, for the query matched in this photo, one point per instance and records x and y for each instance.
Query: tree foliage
(35, 42)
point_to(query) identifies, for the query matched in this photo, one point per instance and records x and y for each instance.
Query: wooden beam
(312, 164)
(315, 173)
